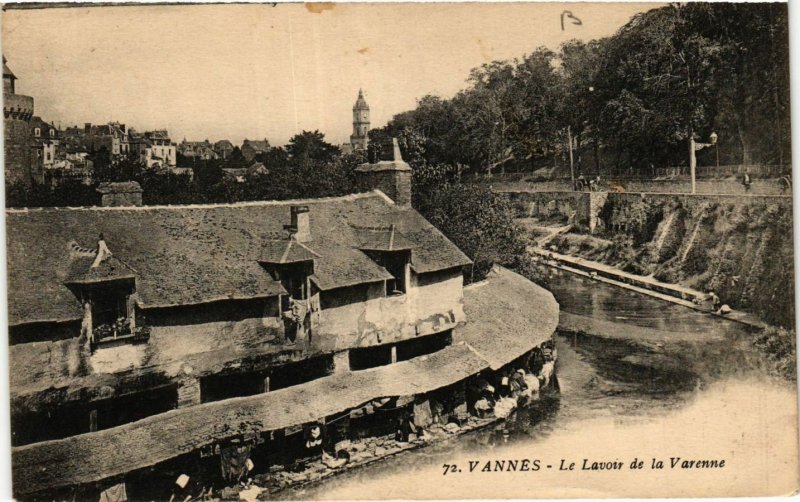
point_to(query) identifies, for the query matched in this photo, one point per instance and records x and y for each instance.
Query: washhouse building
(139, 334)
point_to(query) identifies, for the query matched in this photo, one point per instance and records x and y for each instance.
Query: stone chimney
(87, 128)
(126, 193)
(389, 173)
(103, 253)
(300, 226)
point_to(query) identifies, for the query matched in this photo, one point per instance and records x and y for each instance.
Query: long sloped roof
(91, 457)
(202, 253)
(509, 304)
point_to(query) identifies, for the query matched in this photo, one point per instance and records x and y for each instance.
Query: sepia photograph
(370, 251)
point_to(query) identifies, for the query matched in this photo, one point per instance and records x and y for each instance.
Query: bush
(779, 347)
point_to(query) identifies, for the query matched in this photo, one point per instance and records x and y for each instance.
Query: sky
(262, 71)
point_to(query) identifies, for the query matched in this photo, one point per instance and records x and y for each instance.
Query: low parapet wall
(732, 185)
(583, 209)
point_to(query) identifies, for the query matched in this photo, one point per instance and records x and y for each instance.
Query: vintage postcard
(399, 251)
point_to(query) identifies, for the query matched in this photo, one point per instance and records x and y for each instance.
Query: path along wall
(731, 186)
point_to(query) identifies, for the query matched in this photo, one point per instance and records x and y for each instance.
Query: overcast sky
(255, 71)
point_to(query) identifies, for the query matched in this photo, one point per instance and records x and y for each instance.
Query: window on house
(395, 262)
(52, 133)
(113, 312)
(37, 132)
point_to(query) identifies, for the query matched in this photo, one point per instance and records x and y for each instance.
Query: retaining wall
(582, 209)
(723, 186)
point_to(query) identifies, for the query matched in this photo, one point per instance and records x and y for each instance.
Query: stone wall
(18, 138)
(739, 247)
(423, 310)
(580, 209)
(395, 184)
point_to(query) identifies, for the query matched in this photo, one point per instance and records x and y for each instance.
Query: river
(641, 380)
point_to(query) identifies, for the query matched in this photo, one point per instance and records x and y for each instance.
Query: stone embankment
(673, 293)
(738, 247)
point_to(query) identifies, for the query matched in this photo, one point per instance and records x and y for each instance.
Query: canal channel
(640, 378)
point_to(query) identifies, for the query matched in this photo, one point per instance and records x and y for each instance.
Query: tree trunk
(596, 155)
(747, 156)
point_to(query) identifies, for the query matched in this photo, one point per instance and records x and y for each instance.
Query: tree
(310, 146)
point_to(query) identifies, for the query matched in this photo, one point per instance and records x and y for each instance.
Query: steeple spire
(359, 138)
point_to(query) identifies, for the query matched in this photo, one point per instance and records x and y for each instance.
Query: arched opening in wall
(370, 357)
(423, 345)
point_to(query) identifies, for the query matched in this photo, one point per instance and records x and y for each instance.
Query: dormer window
(37, 132)
(292, 263)
(106, 287)
(52, 133)
(390, 249)
(396, 263)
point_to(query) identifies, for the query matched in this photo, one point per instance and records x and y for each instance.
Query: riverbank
(674, 293)
(740, 248)
(734, 414)
(365, 452)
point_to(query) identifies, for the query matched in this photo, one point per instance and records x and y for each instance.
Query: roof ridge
(252, 203)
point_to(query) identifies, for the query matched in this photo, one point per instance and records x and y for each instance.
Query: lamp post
(713, 139)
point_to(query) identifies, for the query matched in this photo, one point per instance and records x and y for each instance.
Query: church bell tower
(358, 140)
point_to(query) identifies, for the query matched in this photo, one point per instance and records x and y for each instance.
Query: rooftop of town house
(6, 70)
(197, 254)
(257, 144)
(491, 337)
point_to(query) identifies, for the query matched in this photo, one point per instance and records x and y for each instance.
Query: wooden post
(93, 421)
(266, 384)
(394, 354)
(341, 362)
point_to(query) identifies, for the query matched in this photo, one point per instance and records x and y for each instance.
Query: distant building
(359, 139)
(155, 148)
(17, 133)
(242, 174)
(46, 139)
(201, 150)
(251, 148)
(223, 148)
(72, 164)
(112, 136)
(69, 170)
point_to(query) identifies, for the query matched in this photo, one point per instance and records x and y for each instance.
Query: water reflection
(586, 297)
